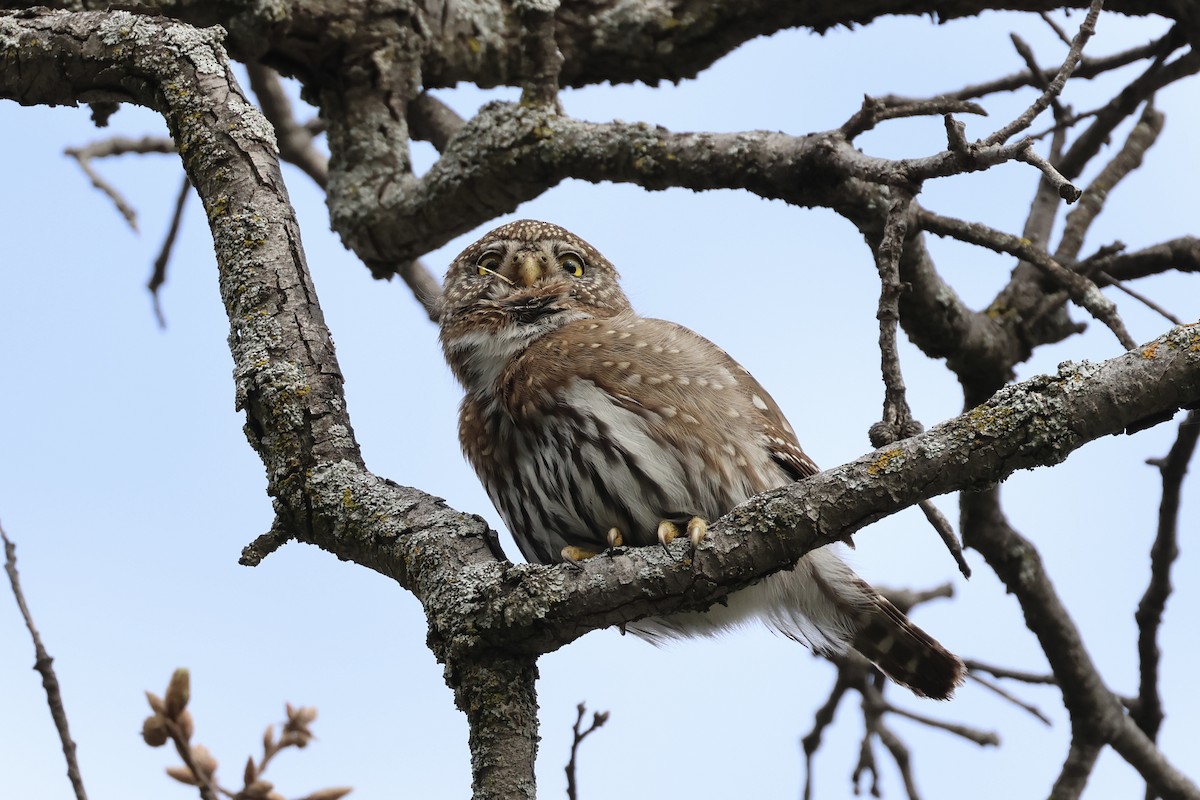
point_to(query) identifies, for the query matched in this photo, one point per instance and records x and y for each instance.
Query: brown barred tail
(905, 653)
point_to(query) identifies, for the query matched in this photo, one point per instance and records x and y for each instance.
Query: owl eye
(572, 264)
(488, 263)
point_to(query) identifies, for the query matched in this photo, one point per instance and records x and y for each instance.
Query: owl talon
(615, 539)
(575, 556)
(667, 533)
(697, 529)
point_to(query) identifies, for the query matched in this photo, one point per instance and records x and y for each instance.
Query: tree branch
(1147, 712)
(1096, 713)
(44, 664)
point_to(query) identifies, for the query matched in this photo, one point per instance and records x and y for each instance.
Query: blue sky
(130, 489)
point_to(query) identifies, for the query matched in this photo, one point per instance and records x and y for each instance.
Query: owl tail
(850, 611)
(907, 654)
(822, 603)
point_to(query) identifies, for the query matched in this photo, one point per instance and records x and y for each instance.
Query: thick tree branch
(600, 41)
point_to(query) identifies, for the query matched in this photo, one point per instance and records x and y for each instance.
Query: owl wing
(667, 373)
(780, 437)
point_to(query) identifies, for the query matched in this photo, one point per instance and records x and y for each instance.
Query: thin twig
(115, 146)
(1128, 158)
(896, 412)
(159, 276)
(598, 720)
(1066, 190)
(1055, 86)
(875, 110)
(1013, 674)
(1026, 52)
(1148, 712)
(901, 755)
(897, 421)
(1016, 701)
(947, 534)
(425, 287)
(1054, 26)
(811, 741)
(1080, 289)
(44, 664)
(981, 738)
(1141, 298)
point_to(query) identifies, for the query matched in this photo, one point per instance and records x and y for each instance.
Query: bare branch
(1129, 158)
(578, 735)
(1182, 254)
(900, 754)
(823, 718)
(1012, 674)
(1107, 118)
(897, 418)
(897, 421)
(44, 664)
(431, 120)
(875, 110)
(1141, 298)
(1076, 769)
(1066, 190)
(117, 145)
(159, 276)
(425, 287)
(981, 738)
(947, 534)
(541, 59)
(1000, 691)
(1055, 87)
(295, 140)
(1096, 713)
(1080, 289)
(1088, 68)
(1147, 711)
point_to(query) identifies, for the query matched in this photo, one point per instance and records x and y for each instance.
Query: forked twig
(1055, 87)
(579, 734)
(44, 664)
(1147, 711)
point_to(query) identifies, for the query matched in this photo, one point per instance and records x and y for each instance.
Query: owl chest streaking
(586, 422)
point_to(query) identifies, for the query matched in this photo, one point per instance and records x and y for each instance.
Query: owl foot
(668, 531)
(615, 539)
(575, 556)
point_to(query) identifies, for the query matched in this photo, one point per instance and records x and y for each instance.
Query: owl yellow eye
(488, 263)
(571, 264)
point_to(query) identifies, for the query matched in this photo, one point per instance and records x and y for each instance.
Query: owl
(591, 426)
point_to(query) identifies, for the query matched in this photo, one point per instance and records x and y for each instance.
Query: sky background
(130, 490)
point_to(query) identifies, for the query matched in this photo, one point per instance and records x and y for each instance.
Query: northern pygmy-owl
(590, 425)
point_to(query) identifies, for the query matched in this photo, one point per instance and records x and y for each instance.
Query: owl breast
(596, 434)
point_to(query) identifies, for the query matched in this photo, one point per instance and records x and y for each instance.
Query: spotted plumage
(590, 424)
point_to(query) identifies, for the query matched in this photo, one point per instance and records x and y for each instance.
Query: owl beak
(529, 271)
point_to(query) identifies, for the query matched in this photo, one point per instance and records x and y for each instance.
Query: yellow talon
(667, 532)
(697, 529)
(615, 539)
(573, 555)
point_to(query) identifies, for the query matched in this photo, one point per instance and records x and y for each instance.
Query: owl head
(521, 281)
